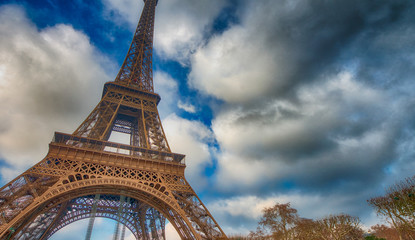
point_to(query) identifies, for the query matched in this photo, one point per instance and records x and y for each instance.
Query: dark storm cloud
(318, 98)
(315, 34)
(302, 39)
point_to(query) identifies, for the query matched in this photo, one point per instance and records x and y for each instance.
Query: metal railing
(113, 147)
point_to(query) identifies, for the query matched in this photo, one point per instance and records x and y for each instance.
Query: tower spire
(137, 69)
(129, 104)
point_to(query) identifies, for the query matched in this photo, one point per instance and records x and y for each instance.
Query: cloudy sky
(302, 101)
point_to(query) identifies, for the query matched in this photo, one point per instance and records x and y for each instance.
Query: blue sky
(308, 102)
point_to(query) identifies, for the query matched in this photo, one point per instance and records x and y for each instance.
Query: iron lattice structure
(84, 175)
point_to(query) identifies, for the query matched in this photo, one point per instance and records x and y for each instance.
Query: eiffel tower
(83, 176)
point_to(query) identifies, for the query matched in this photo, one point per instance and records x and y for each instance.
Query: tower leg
(117, 226)
(92, 219)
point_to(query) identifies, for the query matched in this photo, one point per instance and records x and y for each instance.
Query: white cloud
(243, 206)
(181, 25)
(103, 229)
(124, 11)
(256, 57)
(50, 81)
(186, 106)
(235, 67)
(238, 173)
(167, 88)
(67, 232)
(171, 233)
(339, 124)
(191, 138)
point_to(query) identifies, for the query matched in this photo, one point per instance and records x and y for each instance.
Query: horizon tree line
(397, 207)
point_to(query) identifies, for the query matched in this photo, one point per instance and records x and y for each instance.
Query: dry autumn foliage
(398, 207)
(385, 232)
(281, 222)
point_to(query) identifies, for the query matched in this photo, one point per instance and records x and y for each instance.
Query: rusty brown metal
(62, 188)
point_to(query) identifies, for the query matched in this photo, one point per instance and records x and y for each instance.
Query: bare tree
(339, 227)
(398, 207)
(277, 222)
(386, 232)
(259, 234)
(281, 222)
(305, 229)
